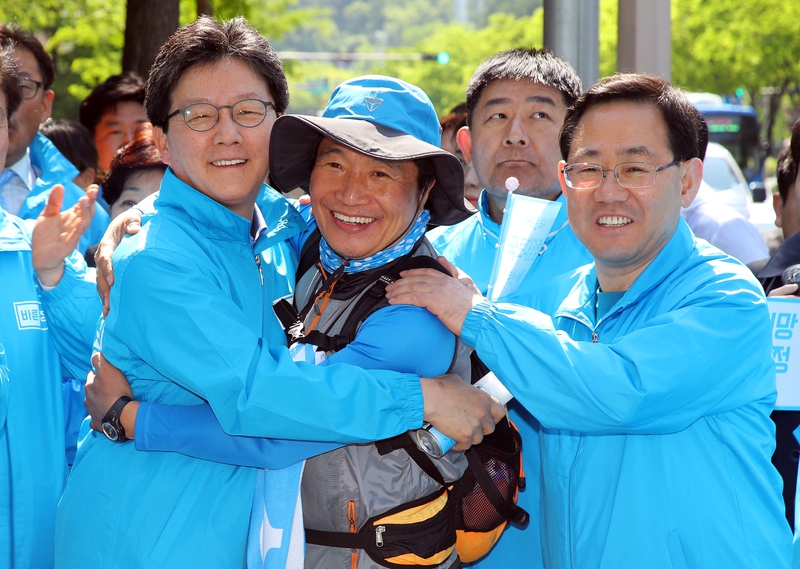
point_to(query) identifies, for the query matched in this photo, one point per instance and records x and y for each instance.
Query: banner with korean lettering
(785, 316)
(526, 224)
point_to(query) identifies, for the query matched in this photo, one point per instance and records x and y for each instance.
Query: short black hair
(537, 65)
(786, 173)
(13, 36)
(127, 87)
(73, 140)
(426, 173)
(9, 81)
(794, 145)
(206, 41)
(683, 121)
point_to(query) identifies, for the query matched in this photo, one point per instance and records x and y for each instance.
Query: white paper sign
(785, 315)
(526, 224)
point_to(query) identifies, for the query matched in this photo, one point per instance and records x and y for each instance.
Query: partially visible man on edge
(33, 360)
(653, 380)
(33, 164)
(517, 101)
(213, 95)
(787, 217)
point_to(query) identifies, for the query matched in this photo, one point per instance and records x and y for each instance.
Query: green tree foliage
(608, 37)
(719, 46)
(446, 84)
(85, 37)
(482, 10)
(273, 18)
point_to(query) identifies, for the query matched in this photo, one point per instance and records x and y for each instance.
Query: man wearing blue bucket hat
(377, 178)
(384, 118)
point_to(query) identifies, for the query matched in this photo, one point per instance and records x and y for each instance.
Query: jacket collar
(483, 215)
(786, 255)
(276, 221)
(581, 300)
(281, 217)
(54, 167)
(14, 235)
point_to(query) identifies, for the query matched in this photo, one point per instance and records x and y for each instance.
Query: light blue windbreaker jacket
(188, 324)
(656, 438)
(471, 245)
(33, 465)
(55, 169)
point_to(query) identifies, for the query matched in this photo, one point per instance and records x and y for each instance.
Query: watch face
(110, 431)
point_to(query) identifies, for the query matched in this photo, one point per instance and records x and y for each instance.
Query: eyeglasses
(585, 176)
(201, 117)
(30, 88)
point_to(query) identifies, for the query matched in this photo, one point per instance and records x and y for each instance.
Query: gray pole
(572, 31)
(644, 40)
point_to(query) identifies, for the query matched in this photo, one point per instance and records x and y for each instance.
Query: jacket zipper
(351, 518)
(258, 264)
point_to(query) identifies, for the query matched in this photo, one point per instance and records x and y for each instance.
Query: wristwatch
(112, 427)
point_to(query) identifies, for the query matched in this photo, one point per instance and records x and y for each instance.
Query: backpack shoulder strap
(372, 300)
(406, 443)
(375, 298)
(309, 254)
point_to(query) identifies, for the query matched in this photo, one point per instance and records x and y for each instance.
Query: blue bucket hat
(379, 116)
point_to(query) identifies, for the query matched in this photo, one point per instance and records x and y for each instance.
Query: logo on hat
(372, 103)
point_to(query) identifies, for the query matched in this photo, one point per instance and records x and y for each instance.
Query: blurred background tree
(749, 46)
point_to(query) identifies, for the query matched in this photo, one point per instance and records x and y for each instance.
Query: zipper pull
(258, 264)
(594, 337)
(379, 535)
(351, 516)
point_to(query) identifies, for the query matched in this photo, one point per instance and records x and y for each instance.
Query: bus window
(736, 128)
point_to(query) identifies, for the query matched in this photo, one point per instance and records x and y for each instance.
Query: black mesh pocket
(495, 462)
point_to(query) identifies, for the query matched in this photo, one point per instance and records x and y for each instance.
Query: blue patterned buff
(332, 260)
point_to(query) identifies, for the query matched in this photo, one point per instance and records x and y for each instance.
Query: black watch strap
(112, 426)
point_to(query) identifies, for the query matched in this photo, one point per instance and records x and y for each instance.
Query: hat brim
(294, 140)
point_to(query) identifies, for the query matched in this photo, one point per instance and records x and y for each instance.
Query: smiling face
(229, 162)
(625, 228)
(115, 128)
(514, 132)
(138, 186)
(362, 205)
(24, 123)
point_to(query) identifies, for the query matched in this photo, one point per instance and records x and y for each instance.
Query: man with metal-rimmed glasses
(33, 164)
(650, 369)
(587, 176)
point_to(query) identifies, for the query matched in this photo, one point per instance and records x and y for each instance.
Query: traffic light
(443, 58)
